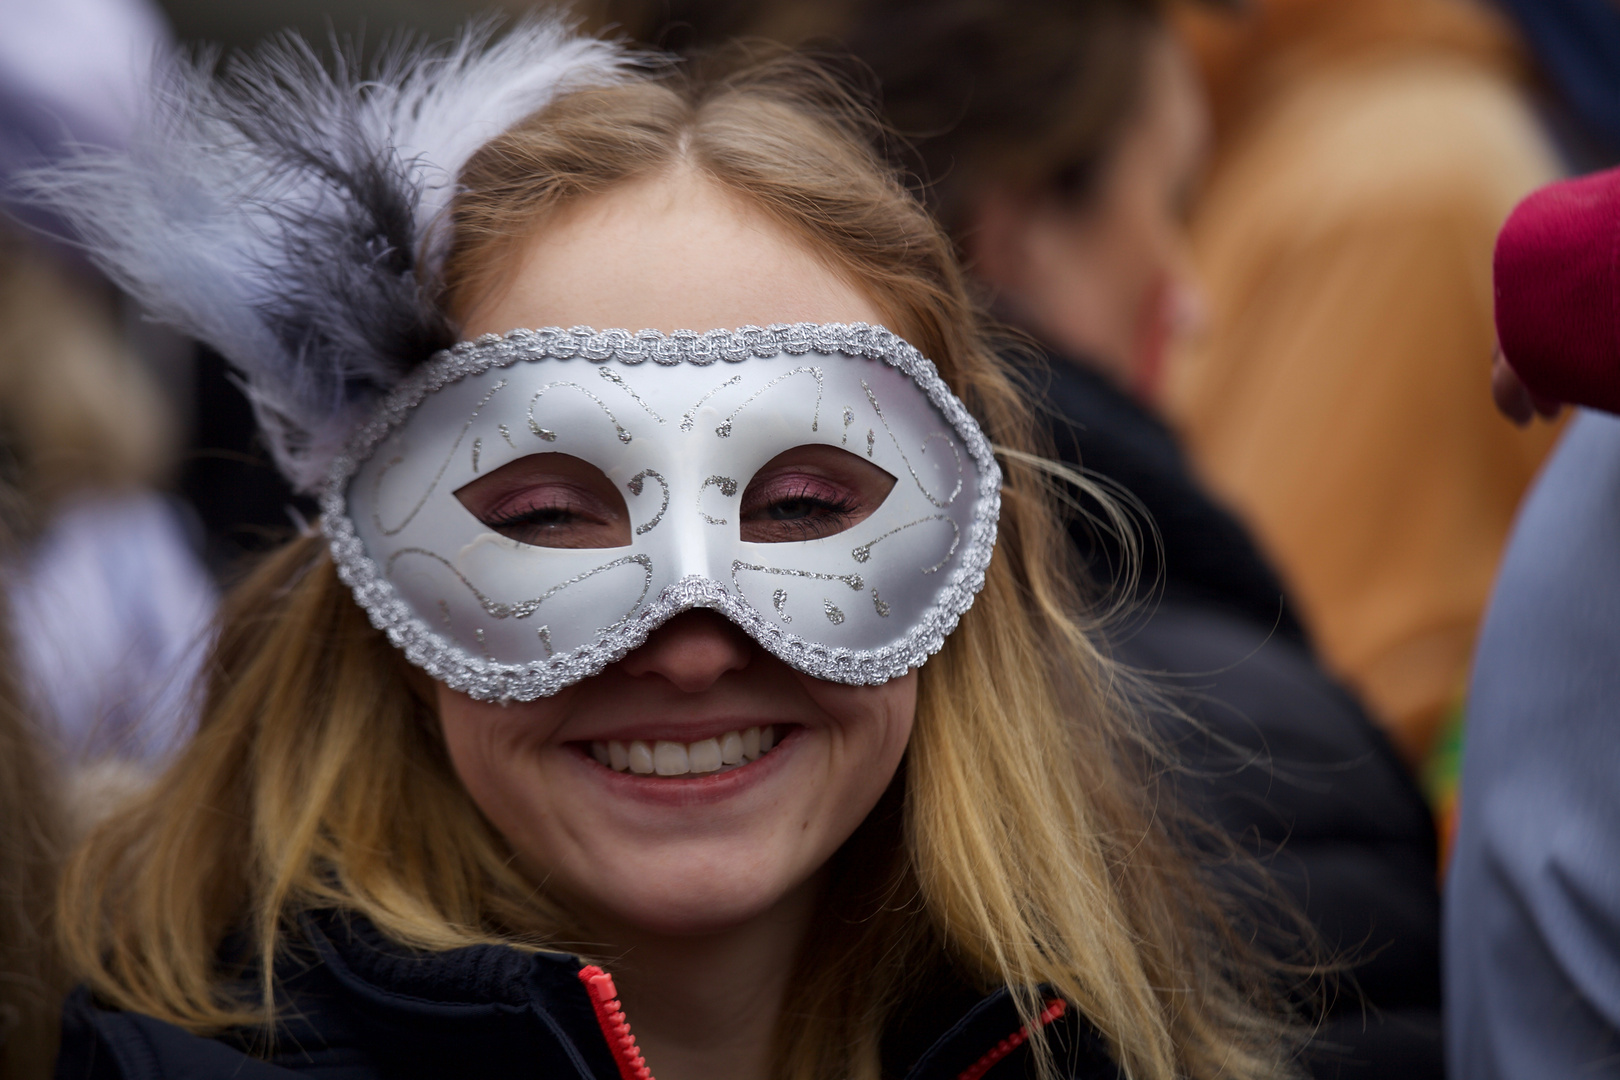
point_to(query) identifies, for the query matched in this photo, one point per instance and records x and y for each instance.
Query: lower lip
(691, 790)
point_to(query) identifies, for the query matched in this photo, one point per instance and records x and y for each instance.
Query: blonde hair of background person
(1026, 850)
(77, 410)
(1366, 155)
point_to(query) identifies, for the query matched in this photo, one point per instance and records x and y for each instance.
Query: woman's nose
(692, 650)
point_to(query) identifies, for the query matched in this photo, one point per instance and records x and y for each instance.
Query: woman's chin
(691, 905)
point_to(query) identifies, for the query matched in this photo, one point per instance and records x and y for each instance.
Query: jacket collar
(532, 1009)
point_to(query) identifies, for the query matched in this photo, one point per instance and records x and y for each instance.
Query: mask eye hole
(550, 500)
(809, 492)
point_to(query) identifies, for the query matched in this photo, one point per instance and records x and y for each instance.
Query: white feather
(236, 213)
(446, 110)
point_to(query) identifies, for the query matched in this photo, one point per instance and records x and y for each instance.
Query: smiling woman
(718, 651)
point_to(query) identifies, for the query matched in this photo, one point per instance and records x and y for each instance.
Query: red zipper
(632, 1066)
(610, 1017)
(1055, 1008)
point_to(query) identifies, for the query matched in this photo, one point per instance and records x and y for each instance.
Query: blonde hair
(1018, 844)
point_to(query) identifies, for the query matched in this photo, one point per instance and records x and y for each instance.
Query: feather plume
(285, 209)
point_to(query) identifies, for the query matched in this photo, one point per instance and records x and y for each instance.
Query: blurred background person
(101, 600)
(1061, 144)
(1532, 954)
(108, 604)
(1533, 904)
(1365, 155)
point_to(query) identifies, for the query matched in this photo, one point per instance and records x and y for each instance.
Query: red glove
(1558, 293)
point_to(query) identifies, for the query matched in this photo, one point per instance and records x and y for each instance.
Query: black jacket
(359, 1007)
(1280, 755)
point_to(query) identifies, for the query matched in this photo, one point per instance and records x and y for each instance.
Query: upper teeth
(678, 759)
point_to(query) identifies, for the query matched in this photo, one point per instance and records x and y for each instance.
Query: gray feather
(286, 210)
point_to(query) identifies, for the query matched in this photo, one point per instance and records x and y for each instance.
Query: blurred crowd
(1243, 257)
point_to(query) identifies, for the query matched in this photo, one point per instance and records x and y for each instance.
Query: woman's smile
(653, 756)
(670, 773)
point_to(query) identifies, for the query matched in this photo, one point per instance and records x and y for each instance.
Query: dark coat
(359, 1007)
(1280, 755)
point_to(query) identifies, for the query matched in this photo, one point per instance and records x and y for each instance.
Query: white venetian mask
(679, 424)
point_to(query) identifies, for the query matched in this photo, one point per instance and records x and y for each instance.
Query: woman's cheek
(879, 716)
(489, 743)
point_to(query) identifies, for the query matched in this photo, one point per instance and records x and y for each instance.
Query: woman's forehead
(672, 252)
